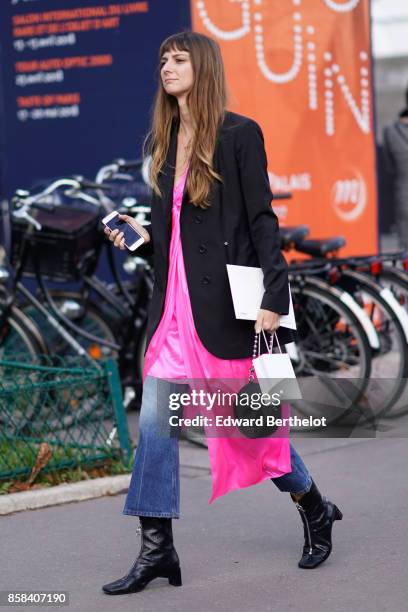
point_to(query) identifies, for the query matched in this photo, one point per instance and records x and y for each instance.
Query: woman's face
(176, 72)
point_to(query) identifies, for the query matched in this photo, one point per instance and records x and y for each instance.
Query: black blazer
(240, 228)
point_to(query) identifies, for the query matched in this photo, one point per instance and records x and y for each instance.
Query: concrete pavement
(239, 553)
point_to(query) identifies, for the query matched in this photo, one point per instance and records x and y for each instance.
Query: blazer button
(206, 280)
(202, 248)
(198, 218)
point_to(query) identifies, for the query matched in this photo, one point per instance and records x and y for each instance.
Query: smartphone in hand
(132, 238)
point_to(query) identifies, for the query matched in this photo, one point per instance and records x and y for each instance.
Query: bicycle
(361, 277)
(67, 319)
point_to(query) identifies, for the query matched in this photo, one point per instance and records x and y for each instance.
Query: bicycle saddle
(292, 233)
(320, 248)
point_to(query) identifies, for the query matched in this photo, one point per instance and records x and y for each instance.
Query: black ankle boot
(157, 558)
(318, 515)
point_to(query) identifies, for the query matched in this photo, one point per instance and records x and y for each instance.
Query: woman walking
(211, 206)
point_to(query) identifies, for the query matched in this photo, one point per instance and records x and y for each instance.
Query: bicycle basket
(66, 247)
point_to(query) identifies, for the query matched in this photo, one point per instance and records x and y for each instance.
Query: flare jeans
(155, 483)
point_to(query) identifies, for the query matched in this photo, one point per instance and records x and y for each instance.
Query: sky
(390, 28)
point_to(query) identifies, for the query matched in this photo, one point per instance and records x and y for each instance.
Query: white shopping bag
(275, 372)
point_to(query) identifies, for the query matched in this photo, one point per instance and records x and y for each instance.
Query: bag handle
(257, 349)
(270, 345)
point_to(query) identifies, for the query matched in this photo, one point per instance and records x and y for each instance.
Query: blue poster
(77, 83)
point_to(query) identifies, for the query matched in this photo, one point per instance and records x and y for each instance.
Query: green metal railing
(75, 408)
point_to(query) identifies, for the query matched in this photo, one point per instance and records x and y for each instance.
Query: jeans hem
(303, 491)
(290, 490)
(152, 514)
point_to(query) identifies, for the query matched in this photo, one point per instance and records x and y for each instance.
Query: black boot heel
(337, 514)
(175, 578)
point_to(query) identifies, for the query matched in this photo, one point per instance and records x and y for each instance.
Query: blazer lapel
(167, 182)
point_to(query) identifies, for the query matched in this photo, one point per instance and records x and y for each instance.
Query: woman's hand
(267, 320)
(116, 236)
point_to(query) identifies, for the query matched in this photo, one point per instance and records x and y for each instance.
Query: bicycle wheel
(87, 318)
(390, 363)
(19, 336)
(19, 341)
(333, 361)
(397, 282)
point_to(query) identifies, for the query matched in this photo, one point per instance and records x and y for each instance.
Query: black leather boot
(157, 558)
(318, 515)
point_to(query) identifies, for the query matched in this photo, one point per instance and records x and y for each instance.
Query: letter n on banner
(302, 69)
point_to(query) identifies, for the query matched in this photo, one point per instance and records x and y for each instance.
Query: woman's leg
(298, 481)
(317, 513)
(154, 493)
(155, 485)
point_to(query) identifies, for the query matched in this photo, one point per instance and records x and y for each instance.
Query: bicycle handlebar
(27, 199)
(128, 164)
(23, 201)
(85, 184)
(112, 170)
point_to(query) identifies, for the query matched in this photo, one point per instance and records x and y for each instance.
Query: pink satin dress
(176, 352)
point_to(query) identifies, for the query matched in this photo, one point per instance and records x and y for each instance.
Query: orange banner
(302, 69)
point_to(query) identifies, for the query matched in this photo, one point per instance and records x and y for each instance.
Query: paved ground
(241, 552)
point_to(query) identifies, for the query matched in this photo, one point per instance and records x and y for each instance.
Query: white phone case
(130, 247)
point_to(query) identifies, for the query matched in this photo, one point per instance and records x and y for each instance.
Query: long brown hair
(206, 102)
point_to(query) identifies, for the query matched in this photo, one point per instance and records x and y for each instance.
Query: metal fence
(75, 408)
